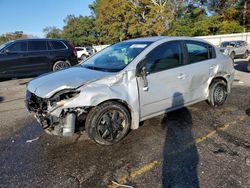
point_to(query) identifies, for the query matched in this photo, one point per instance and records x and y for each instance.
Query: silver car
(235, 49)
(129, 82)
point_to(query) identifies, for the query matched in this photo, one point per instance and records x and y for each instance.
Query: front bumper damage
(52, 117)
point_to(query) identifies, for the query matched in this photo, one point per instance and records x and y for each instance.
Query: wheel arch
(134, 115)
(58, 59)
(221, 77)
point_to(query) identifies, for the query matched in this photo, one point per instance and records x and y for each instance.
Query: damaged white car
(129, 82)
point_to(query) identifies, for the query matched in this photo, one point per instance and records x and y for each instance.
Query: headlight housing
(63, 95)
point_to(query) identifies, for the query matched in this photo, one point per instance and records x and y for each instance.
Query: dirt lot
(197, 146)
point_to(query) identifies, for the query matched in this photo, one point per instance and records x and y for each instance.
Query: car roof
(234, 41)
(38, 39)
(158, 38)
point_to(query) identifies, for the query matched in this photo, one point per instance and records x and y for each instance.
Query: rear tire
(60, 65)
(217, 93)
(108, 123)
(246, 54)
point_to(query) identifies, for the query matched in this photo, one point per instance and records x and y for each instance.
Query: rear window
(79, 49)
(58, 45)
(37, 45)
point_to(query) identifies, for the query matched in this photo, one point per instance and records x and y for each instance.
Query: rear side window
(198, 51)
(18, 47)
(58, 45)
(165, 56)
(37, 45)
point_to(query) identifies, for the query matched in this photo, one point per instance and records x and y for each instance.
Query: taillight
(74, 49)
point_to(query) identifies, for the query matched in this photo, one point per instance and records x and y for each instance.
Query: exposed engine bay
(65, 124)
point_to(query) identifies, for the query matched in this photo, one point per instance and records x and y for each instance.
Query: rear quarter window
(58, 45)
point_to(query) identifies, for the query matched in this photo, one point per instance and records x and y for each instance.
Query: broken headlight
(62, 96)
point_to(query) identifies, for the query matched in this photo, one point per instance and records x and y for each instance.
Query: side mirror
(141, 71)
(141, 68)
(7, 52)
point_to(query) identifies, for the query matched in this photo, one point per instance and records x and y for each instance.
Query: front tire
(217, 93)
(83, 57)
(232, 55)
(60, 65)
(108, 123)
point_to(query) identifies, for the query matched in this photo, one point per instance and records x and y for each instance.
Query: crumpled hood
(47, 85)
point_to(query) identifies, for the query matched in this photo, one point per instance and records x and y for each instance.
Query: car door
(39, 57)
(201, 67)
(14, 60)
(167, 80)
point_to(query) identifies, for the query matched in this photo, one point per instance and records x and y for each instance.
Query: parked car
(84, 52)
(129, 82)
(29, 57)
(235, 49)
(248, 66)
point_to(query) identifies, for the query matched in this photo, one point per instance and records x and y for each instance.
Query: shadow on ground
(180, 156)
(242, 65)
(1, 99)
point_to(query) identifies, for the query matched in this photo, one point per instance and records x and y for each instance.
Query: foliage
(117, 20)
(52, 32)
(79, 30)
(13, 36)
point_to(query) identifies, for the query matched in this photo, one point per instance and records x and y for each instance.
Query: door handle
(182, 76)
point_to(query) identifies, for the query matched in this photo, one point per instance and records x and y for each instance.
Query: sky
(31, 16)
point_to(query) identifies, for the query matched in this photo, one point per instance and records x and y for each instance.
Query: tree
(118, 20)
(13, 36)
(80, 30)
(52, 32)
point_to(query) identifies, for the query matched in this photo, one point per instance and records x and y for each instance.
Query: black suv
(31, 57)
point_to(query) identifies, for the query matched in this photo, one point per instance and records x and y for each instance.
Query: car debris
(121, 185)
(32, 140)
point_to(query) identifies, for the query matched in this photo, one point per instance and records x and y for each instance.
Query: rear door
(202, 66)
(14, 60)
(168, 82)
(39, 57)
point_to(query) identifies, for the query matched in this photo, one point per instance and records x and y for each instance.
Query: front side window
(37, 45)
(198, 51)
(165, 56)
(116, 57)
(18, 47)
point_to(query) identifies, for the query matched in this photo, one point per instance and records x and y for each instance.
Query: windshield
(4, 45)
(116, 57)
(226, 44)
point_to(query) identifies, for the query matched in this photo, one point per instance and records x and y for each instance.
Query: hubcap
(61, 65)
(219, 95)
(111, 125)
